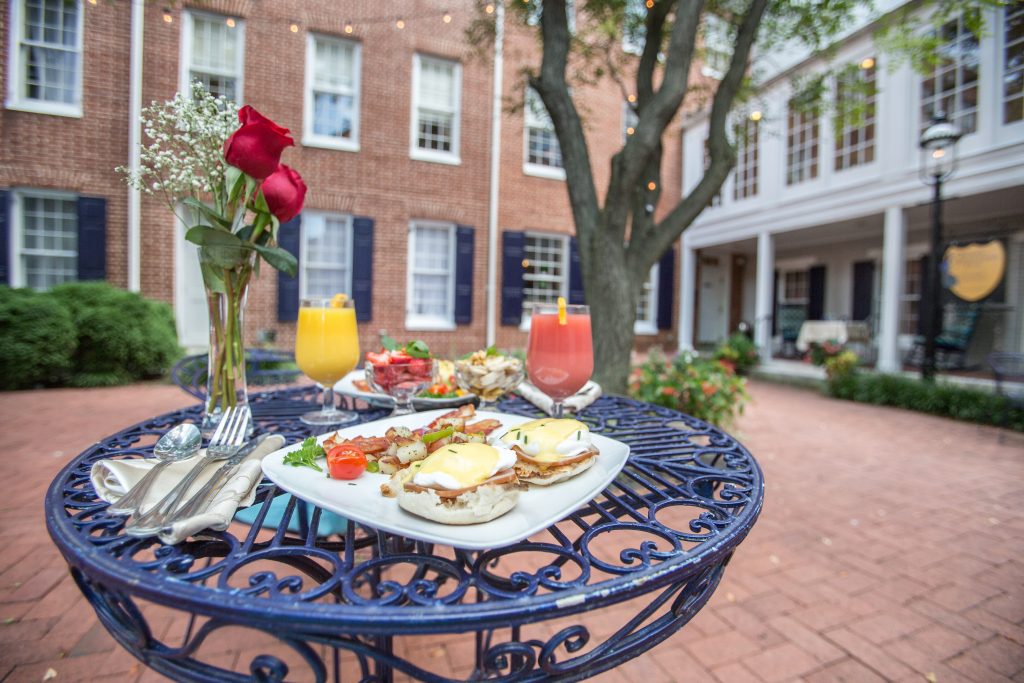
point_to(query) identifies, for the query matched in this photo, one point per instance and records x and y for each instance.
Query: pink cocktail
(560, 355)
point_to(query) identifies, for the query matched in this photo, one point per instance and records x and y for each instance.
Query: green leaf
(417, 349)
(279, 258)
(251, 185)
(235, 180)
(212, 278)
(259, 203)
(388, 343)
(245, 232)
(205, 236)
(207, 211)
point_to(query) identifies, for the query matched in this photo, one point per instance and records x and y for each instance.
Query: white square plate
(538, 508)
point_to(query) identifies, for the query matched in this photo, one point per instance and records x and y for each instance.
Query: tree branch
(659, 238)
(554, 92)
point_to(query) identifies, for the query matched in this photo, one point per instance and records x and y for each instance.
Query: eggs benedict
(550, 450)
(464, 483)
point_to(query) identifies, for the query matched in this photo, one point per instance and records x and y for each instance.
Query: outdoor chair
(791, 318)
(959, 321)
(263, 367)
(1008, 367)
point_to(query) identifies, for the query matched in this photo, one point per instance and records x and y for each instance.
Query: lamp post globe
(938, 161)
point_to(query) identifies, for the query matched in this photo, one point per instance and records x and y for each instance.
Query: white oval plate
(347, 386)
(538, 508)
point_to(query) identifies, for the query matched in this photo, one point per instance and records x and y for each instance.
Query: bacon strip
(506, 477)
(483, 427)
(543, 464)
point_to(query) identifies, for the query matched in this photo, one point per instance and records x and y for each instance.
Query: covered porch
(866, 272)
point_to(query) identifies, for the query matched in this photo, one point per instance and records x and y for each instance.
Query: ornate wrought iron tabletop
(666, 527)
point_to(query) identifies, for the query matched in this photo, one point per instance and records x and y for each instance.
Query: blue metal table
(659, 537)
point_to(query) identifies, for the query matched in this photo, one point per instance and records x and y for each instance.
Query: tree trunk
(612, 315)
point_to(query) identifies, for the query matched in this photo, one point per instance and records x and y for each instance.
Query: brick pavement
(891, 547)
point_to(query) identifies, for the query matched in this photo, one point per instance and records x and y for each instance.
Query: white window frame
(430, 323)
(533, 120)
(808, 167)
(747, 172)
(309, 137)
(566, 263)
(715, 32)
(311, 216)
(437, 156)
(648, 325)
(842, 148)
(16, 236)
(928, 103)
(185, 58)
(15, 74)
(1004, 68)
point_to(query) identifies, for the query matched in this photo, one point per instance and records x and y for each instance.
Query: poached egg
(459, 466)
(548, 439)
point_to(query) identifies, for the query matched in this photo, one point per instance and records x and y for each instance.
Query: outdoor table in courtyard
(838, 331)
(658, 539)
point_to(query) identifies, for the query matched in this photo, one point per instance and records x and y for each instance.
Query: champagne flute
(327, 349)
(560, 354)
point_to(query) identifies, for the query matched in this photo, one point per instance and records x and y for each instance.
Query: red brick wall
(380, 181)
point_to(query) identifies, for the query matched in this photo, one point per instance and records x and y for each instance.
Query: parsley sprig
(306, 456)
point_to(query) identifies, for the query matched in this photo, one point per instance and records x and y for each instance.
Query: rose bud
(255, 148)
(285, 192)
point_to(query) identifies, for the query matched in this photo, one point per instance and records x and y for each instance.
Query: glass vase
(226, 293)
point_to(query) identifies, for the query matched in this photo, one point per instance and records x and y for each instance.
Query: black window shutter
(863, 289)
(775, 303)
(666, 289)
(512, 254)
(816, 293)
(288, 237)
(92, 238)
(5, 270)
(362, 267)
(576, 294)
(464, 239)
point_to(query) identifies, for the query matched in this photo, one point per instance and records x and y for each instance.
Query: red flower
(256, 146)
(709, 389)
(728, 365)
(669, 391)
(285, 192)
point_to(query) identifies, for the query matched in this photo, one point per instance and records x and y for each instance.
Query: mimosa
(326, 349)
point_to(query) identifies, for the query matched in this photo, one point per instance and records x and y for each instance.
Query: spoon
(176, 444)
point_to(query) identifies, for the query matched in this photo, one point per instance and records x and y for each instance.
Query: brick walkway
(891, 547)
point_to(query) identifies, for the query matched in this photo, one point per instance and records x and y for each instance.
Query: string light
(168, 17)
(631, 99)
(652, 186)
(650, 4)
(230, 22)
(294, 28)
(348, 27)
(447, 18)
(867, 63)
(399, 24)
(489, 9)
(755, 116)
(630, 130)
(92, 2)
(938, 154)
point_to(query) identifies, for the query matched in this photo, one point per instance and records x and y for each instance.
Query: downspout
(134, 139)
(492, 214)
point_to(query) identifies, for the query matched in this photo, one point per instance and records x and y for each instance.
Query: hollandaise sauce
(463, 465)
(550, 439)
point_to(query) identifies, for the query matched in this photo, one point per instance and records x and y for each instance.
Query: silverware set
(228, 444)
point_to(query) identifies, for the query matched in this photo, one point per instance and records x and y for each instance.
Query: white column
(134, 138)
(763, 304)
(492, 208)
(687, 293)
(894, 255)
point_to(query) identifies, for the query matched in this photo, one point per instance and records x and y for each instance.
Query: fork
(226, 442)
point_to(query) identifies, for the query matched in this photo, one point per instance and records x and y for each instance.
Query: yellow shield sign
(975, 269)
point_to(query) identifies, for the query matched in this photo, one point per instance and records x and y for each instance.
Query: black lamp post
(938, 161)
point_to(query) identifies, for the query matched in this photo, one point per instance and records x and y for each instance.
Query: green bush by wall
(948, 400)
(112, 336)
(37, 339)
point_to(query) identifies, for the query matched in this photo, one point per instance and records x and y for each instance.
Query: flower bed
(706, 389)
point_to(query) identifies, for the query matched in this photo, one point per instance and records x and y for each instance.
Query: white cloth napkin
(590, 392)
(113, 478)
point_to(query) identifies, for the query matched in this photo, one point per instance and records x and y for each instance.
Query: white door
(189, 295)
(714, 301)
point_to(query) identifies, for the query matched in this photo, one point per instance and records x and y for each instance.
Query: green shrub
(948, 400)
(37, 339)
(706, 389)
(738, 350)
(121, 335)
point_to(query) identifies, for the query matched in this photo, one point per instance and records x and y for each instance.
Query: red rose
(285, 192)
(256, 146)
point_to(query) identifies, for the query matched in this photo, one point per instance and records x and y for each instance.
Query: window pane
(214, 57)
(1013, 63)
(745, 182)
(49, 241)
(327, 256)
(332, 114)
(437, 105)
(802, 143)
(49, 50)
(431, 294)
(435, 131)
(855, 119)
(955, 79)
(543, 148)
(544, 276)
(334, 65)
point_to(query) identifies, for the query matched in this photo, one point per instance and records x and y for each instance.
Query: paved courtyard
(891, 547)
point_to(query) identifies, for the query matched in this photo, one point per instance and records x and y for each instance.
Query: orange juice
(326, 343)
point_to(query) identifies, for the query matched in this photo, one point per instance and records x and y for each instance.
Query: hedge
(37, 339)
(948, 400)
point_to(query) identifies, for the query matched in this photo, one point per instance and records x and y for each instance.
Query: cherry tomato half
(346, 462)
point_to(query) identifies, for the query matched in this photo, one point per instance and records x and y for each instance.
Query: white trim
(531, 119)
(429, 322)
(495, 174)
(314, 215)
(539, 171)
(435, 156)
(309, 138)
(15, 78)
(650, 327)
(16, 227)
(185, 57)
(137, 43)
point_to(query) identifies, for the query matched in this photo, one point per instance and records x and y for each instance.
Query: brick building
(391, 110)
